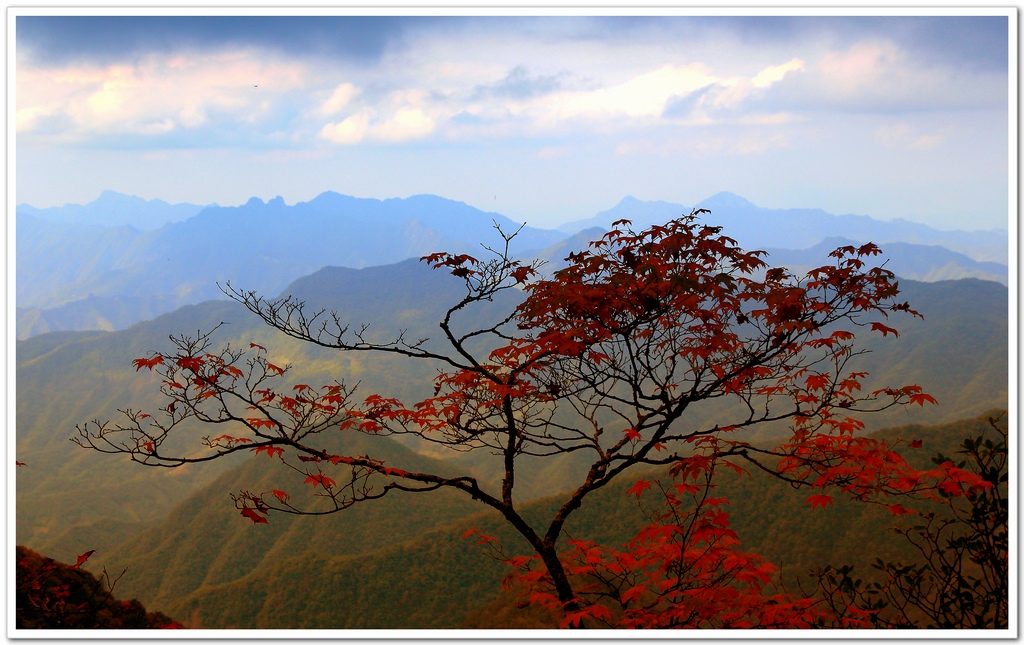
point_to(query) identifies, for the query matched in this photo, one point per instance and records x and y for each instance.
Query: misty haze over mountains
(122, 259)
(192, 556)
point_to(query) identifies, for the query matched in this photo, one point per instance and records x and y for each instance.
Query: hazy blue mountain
(912, 261)
(77, 276)
(926, 263)
(555, 256)
(130, 275)
(116, 209)
(641, 214)
(103, 313)
(53, 256)
(755, 227)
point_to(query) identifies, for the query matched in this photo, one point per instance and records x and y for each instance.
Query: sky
(543, 119)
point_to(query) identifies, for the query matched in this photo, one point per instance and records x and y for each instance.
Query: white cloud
(863, 65)
(339, 99)
(771, 75)
(880, 76)
(155, 95)
(643, 95)
(406, 124)
(348, 132)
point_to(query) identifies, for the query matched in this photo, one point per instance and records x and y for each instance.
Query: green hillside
(438, 579)
(67, 495)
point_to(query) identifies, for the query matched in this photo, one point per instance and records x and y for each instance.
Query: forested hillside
(957, 353)
(309, 573)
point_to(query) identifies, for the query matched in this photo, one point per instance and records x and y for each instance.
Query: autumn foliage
(53, 595)
(605, 357)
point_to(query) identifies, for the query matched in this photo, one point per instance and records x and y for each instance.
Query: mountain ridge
(86, 276)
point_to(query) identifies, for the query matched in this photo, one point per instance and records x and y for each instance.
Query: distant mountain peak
(725, 199)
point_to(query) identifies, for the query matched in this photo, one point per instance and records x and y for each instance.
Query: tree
(960, 577)
(605, 358)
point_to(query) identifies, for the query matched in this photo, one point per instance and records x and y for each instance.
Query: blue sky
(544, 119)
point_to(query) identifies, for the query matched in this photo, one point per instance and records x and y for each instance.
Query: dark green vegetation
(957, 576)
(53, 595)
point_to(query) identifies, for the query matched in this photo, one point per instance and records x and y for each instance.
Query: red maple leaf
(270, 450)
(253, 515)
(190, 363)
(281, 495)
(150, 363)
(638, 488)
(898, 510)
(921, 399)
(819, 500)
(82, 558)
(877, 326)
(319, 479)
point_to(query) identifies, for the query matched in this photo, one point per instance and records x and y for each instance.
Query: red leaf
(19, 463)
(190, 363)
(259, 347)
(916, 443)
(898, 510)
(320, 479)
(261, 423)
(877, 326)
(270, 450)
(150, 363)
(281, 495)
(638, 488)
(819, 500)
(521, 273)
(82, 558)
(254, 516)
(921, 399)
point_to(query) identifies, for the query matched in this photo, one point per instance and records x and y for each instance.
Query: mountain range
(755, 227)
(957, 352)
(115, 209)
(401, 561)
(74, 273)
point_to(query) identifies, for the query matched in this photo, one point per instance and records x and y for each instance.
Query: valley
(400, 562)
